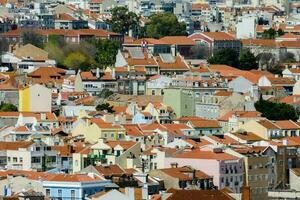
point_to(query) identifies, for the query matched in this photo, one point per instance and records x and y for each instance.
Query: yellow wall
(256, 128)
(24, 100)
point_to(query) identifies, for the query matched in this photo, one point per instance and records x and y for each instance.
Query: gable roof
(31, 51)
(15, 145)
(178, 40)
(206, 155)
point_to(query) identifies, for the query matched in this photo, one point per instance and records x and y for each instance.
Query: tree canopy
(272, 33)
(32, 37)
(226, 57)
(106, 51)
(165, 24)
(8, 107)
(106, 107)
(247, 60)
(89, 54)
(122, 20)
(276, 111)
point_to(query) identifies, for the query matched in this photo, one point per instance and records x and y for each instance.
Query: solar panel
(167, 58)
(137, 54)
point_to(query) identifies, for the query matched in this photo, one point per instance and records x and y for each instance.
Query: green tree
(32, 37)
(105, 106)
(226, 57)
(122, 20)
(75, 60)
(4, 45)
(55, 53)
(8, 107)
(276, 111)
(106, 52)
(165, 24)
(280, 32)
(105, 93)
(269, 34)
(247, 60)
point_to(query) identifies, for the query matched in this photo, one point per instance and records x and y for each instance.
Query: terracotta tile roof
(15, 145)
(248, 136)
(65, 150)
(87, 101)
(189, 118)
(200, 6)
(296, 171)
(87, 76)
(198, 194)
(293, 99)
(209, 155)
(120, 109)
(65, 17)
(149, 41)
(282, 81)
(247, 150)
(178, 64)
(215, 36)
(259, 42)
(153, 127)
(74, 178)
(268, 124)
(21, 129)
(289, 36)
(226, 71)
(182, 173)
(133, 130)
(49, 116)
(110, 170)
(104, 125)
(240, 114)
(47, 72)
(223, 93)
(147, 60)
(295, 70)
(96, 1)
(124, 144)
(195, 144)
(287, 124)
(205, 124)
(224, 140)
(178, 40)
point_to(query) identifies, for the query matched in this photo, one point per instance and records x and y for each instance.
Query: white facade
(246, 28)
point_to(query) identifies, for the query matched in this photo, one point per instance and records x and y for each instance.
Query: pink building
(227, 170)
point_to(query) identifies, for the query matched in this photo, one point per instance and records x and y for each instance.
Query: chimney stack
(246, 193)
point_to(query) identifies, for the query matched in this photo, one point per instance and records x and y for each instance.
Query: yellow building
(93, 129)
(35, 98)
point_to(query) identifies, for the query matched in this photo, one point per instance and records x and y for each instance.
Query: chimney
(285, 142)
(98, 72)
(129, 192)
(43, 116)
(145, 195)
(246, 193)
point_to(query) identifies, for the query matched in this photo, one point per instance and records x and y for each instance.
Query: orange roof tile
(210, 155)
(15, 145)
(178, 40)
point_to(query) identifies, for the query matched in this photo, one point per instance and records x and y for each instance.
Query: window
(153, 92)
(38, 148)
(8, 159)
(15, 159)
(59, 192)
(48, 192)
(21, 159)
(72, 194)
(35, 160)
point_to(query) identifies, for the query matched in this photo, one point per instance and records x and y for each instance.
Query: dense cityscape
(149, 99)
